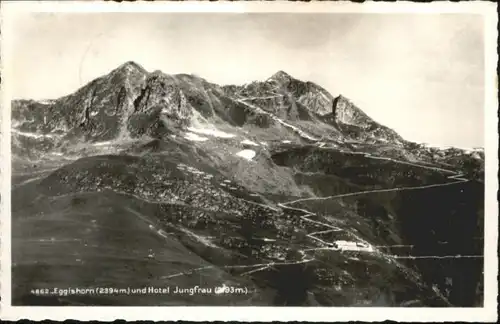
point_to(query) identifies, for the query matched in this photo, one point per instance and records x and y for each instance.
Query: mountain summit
(281, 76)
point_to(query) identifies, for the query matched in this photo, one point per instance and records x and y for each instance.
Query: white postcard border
(487, 313)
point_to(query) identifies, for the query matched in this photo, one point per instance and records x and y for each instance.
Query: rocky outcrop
(358, 125)
(127, 102)
(347, 113)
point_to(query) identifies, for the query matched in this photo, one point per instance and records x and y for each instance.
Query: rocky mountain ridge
(130, 102)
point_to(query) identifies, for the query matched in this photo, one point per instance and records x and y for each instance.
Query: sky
(420, 74)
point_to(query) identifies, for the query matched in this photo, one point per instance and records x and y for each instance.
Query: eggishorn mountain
(145, 179)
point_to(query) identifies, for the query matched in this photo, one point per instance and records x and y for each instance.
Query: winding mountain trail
(308, 214)
(359, 245)
(365, 246)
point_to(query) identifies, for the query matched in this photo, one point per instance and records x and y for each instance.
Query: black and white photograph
(261, 158)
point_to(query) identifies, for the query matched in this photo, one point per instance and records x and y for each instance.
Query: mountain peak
(131, 66)
(281, 76)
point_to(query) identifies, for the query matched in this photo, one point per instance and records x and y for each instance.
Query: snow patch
(32, 135)
(211, 132)
(194, 137)
(246, 154)
(248, 142)
(265, 239)
(102, 143)
(286, 142)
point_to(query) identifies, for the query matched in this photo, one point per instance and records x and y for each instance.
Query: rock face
(127, 102)
(345, 112)
(353, 121)
(170, 180)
